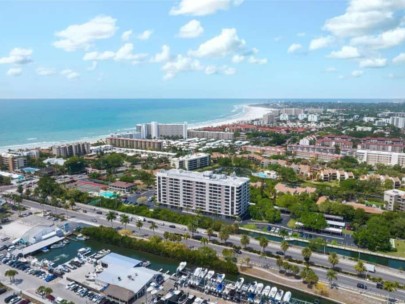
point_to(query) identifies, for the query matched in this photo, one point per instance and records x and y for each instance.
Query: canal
(375, 259)
(64, 254)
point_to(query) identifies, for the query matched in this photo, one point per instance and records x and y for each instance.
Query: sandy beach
(246, 113)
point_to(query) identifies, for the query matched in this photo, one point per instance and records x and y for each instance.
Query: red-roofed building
(121, 187)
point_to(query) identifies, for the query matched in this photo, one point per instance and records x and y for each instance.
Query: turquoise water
(108, 194)
(30, 122)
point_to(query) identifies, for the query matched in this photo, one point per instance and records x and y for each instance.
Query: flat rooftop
(205, 176)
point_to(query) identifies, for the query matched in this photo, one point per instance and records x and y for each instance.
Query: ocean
(28, 123)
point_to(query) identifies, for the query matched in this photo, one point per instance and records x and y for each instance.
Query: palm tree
(210, 232)
(279, 263)
(246, 260)
(111, 216)
(153, 226)
(390, 287)
(306, 253)
(360, 268)
(11, 273)
(139, 224)
(124, 219)
(284, 245)
(41, 290)
(331, 276)
(71, 203)
(204, 241)
(48, 291)
(333, 259)
(223, 234)
(192, 227)
(244, 240)
(186, 236)
(263, 242)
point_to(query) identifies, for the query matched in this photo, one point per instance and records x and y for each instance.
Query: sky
(202, 49)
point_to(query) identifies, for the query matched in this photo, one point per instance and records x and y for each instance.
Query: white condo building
(191, 162)
(381, 157)
(394, 200)
(313, 118)
(217, 194)
(399, 122)
(156, 130)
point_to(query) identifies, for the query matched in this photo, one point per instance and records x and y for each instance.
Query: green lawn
(400, 247)
(291, 224)
(347, 232)
(250, 226)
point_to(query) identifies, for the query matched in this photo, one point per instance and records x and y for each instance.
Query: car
(361, 286)
(280, 252)
(9, 298)
(379, 285)
(94, 220)
(99, 212)
(3, 290)
(172, 226)
(84, 211)
(237, 250)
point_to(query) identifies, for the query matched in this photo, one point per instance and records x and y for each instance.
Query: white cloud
(69, 74)
(255, 60)
(225, 70)
(163, 56)
(43, 71)
(145, 35)
(225, 43)
(346, 52)
(191, 29)
(82, 36)
(180, 64)
(126, 35)
(399, 59)
(330, 70)
(365, 16)
(238, 58)
(357, 73)
(14, 72)
(321, 42)
(294, 48)
(125, 53)
(202, 7)
(384, 40)
(17, 56)
(373, 63)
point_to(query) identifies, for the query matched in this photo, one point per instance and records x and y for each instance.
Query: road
(295, 252)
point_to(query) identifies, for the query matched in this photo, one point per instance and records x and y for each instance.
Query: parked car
(361, 286)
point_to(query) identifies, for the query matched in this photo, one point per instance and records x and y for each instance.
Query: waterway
(62, 255)
(389, 262)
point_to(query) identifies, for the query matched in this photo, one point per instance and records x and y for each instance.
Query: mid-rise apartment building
(191, 162)
(15, 160)
(270, 118)
(313, 118)
(382, 144)
(381, 157)
(394, 200)
(142, 144)
(218, 135)
(210, 193)
(398, 121)
(75, 149)
(157, 130)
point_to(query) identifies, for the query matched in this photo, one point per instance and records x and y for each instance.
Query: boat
(81, 237)
(151, 287)
(65, 241)
(45, 249)
(145, 263)
(259, 288)
(220, 288)
(101, 253)
(57, 245)
(203, 273)
(84, 251)
(190, 299)
(198, 301)
(210, 275)
(220, 277)
(181, 267)
(252, 287)
(239, 283)
(168, 295)
(279, 295)
(273, 292)
(266, 291)
(287, 297)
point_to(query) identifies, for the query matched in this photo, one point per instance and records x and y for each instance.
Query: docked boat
(58, 245)
(252, 287)
(81, 237)
(209, 275)
(45, 249)
(273, 292)
(190, 299)
(220, 277)
(181, 267)
(287, 297)
(259, 288)
(84, 251)
(239, 283)
(266, 291)
(101, 253)
(145, 263)
(279, 295)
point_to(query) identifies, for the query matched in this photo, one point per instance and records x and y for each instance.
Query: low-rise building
(265, 150)
(382, 144)
(191, 162)
(142, 144)
(394, 200)
(282, 188)
(218, 135)
(121, 187)
(332, 174)
(396, 182)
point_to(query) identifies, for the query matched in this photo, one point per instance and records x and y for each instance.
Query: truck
(369, 267)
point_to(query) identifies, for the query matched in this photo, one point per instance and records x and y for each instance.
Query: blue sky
(202, 48)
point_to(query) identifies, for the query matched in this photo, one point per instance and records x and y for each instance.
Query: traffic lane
(295, 252)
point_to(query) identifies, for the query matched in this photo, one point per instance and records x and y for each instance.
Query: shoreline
(244, 113)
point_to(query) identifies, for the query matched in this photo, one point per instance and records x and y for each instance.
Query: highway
(344, 281)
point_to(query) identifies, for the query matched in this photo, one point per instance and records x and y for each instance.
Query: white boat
(220, 277)
(239, 283)
(168, 296)
(198, 301)
(197, 271)
(279, 295)
(287, 297)
(266, 291)
(84, 250)
(273, 292)
(145, 263)
(181, 267)
(45, 249)
(203, 273)
(151, 287)
(252, 287)
(57, 245)
(209, 275)
(81, 237)
(259, 288)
